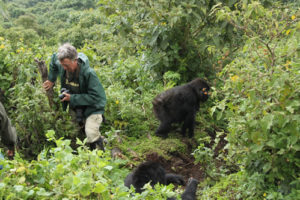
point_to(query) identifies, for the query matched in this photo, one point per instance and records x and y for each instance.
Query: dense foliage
(261, 98)
(58, 173)
(247, 50)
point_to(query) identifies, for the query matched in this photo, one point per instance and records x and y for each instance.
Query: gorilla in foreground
(154, 173)
(180, 104)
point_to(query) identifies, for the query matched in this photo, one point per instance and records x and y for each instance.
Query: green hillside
(247, 135)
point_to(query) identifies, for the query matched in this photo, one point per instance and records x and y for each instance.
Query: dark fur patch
(154, 173)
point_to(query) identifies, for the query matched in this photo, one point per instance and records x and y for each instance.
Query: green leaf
(216, 40)
(155, 35)
(2, 185)
(100, 188)
(19, 188)
(290, 109)
(267, 167)
(267, 121)
(256, 148)
(76, 180)
(212, 110)
(281, 152)
(78, 141)
(43, 192)
(22, 180)
(30, 193)
(50, 135)
(219, 115)
(271, 143)
(296, 147)
(85, 189)
(108, 167)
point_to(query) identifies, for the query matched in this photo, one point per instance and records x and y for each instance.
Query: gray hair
(67, 51)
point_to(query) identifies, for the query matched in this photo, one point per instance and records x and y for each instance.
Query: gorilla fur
(151, 172)
(180, 104)
(190, 190)
(154, 173)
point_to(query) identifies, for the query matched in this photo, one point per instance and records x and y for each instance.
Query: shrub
(262, 96)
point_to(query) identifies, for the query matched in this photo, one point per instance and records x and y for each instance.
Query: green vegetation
(247, 136)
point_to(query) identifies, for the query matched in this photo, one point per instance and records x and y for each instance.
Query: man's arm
(53, 73)
(8, 133)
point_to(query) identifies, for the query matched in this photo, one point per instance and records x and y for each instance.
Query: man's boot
(98, 144)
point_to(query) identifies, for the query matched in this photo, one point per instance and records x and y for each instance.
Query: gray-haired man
(85, 90)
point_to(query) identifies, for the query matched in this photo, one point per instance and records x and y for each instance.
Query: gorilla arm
(174, 178)
(190, 190)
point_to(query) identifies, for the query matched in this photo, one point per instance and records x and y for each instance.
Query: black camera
(61, 96)
(78, 110)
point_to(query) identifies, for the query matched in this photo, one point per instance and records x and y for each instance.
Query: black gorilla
(151, 171)
(154, 173)
(180, 104)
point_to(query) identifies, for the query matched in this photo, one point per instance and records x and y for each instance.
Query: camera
(61, 96)
(78, 110)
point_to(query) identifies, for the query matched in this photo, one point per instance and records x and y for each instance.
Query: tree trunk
(44, 73)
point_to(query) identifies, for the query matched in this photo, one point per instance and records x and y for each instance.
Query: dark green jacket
(7, 132)
(92, 95)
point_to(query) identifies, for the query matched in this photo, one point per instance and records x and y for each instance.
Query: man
(85, 92)
(7, 132)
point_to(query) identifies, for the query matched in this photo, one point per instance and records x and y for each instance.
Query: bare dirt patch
(179, 163)
(184, 163)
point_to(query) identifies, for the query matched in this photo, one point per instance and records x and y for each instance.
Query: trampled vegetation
(247, 136)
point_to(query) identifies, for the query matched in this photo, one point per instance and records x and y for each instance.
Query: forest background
(246, 143)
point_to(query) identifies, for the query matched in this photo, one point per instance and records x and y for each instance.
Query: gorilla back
(180, 104)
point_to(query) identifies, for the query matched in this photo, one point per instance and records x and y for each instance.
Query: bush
(262, 97)
(25, 100)
(58, 173)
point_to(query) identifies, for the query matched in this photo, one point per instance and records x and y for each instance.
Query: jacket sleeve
(53, 69)
(8, 133)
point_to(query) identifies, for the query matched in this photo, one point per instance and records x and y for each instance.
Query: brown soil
(184, 164)
(179, 164)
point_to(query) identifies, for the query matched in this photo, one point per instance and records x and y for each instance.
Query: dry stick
(44, 73)
(119, 139)
(133, 153)
(117, 153)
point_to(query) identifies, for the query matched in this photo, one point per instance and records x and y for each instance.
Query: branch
(44, 74)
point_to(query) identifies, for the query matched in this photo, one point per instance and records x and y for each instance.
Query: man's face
(69, 65)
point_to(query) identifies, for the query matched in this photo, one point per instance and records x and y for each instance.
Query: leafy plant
(59, 173)
(261, 95)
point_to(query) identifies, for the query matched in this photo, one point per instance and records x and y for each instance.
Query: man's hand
(67, 97)
(10, 153)
(48, 85)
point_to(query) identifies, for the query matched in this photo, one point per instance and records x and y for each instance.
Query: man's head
(67, 56)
